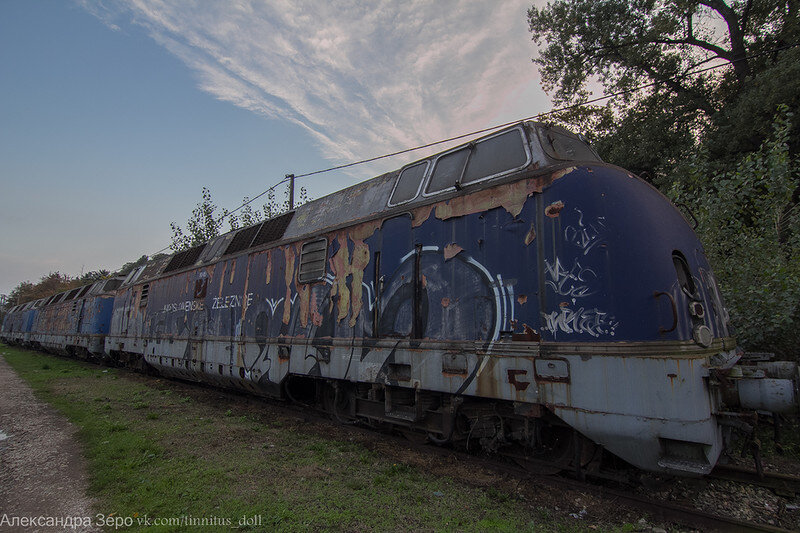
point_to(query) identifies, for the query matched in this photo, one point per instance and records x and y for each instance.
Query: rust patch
(530, 235)
(288, 277)
(424, 281)
(554, 209)
(558, 174)
(451, 250)
(420, 215)
(340, 265)
(269, 266)
(522, 299)
(344, 266)
(303, 292)
(222, 278)
(364, 231)
(233, 271)
(486, 382)
(512, 378)
(511, 197)
(445, 302)
(246, 285)
(528, 334)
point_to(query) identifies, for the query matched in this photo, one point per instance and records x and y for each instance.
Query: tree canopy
(621, 45)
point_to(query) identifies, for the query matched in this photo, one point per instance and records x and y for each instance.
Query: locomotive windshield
(559, 143)
(492, 157)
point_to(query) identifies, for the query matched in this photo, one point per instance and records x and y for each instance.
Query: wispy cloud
(362, 77)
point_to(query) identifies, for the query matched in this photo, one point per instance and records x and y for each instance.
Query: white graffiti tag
(585, 236)
(572, 282)
(590, 321)
(273, 304)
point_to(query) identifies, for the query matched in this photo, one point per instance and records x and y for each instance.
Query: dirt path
(42, 472)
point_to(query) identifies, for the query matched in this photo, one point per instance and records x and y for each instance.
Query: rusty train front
(514, 293)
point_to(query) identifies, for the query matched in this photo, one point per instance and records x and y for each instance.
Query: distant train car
(75, 322)
(13, 329)
(514, 292)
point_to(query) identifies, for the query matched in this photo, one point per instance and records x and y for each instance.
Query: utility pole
(290, 177)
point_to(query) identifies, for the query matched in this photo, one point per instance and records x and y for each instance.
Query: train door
(397, 281)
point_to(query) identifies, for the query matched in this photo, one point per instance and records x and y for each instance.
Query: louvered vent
(242, 239)
(272, 229)
(185, 258)
(313, 257)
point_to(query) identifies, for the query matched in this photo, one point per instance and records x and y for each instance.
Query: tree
(48, 285)
(203, 225)
(622, 45)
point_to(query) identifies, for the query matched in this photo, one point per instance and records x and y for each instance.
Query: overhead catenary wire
(546, 113)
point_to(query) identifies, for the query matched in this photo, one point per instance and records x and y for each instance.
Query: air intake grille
(185, 258)
(242, 239)
(273, 229)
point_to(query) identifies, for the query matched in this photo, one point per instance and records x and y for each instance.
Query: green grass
(155, 449)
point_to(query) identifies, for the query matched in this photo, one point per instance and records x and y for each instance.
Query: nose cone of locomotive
(627, 279)
(621, 263)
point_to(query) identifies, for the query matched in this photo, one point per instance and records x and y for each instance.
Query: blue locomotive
(514, 292)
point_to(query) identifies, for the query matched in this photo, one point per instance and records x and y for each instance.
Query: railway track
(662, 511)
(781, 484)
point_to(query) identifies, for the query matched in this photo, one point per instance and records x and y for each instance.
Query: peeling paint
(511, 197)
(289, 278)
(340, 265)
(554, 209)
(269, 266)
(530, 236)
(233, 271)
(451, 250)
(420, 215)
(303, 293)
(344, 266)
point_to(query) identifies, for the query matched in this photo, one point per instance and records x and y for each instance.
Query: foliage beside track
(166, 449)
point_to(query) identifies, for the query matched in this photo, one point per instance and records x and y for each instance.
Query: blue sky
(114, 115)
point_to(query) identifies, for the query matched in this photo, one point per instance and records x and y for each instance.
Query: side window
(408, 183)
(685, 279)
(488, 158)
(496, 155)
(447, 171)
(313, 257)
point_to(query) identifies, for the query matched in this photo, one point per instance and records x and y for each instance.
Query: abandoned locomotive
(515, 291)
